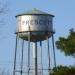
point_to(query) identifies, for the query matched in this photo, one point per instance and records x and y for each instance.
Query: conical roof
(35, 12)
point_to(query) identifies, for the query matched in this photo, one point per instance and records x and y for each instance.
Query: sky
(64, 12)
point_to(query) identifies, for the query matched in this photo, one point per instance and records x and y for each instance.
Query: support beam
(41, 58)
(54, 50)
(48, 56)
(28, 67)
(22, 57)
(15, 57)
(35, 57)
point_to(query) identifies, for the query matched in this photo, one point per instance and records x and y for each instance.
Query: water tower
(33, 26)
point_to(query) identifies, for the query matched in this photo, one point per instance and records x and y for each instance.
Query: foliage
(67, 45)
(63, 70)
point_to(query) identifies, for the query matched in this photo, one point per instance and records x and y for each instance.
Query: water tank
(38, 23)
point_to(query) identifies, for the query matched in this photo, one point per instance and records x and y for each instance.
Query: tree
(63, 70)
(3, 10)
(67, 45)
(3, 7)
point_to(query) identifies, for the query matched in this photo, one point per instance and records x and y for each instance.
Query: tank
(36, 23)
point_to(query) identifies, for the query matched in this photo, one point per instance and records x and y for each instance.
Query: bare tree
(3, 11)
(3, 7)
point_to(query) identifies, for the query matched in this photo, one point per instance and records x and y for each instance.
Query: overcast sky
(64, 11)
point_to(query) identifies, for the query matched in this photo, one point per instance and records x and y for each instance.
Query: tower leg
(22, 57)
(28, 66)
(41, 58)
(48, 57)
(35, 57)
(15, 55)
(54, 51)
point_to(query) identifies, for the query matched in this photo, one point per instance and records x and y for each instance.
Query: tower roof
(35, 12)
